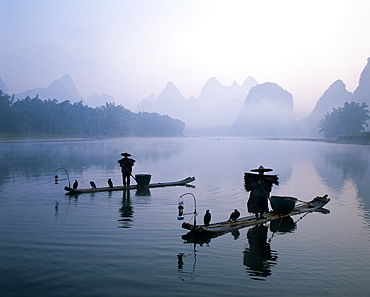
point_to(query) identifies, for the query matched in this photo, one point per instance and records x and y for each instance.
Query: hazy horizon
(132, 49)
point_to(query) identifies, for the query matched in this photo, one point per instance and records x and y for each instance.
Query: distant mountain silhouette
(171, 102)
(61, 89)
(219, 105)
(146, 104)
(3, 87)
(268, 112)
(362, 92)
(216, 105)
(333, 97)
(96, 100)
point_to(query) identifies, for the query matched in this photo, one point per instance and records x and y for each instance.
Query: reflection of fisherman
(258, 256)
(127, 210)
(126, 168)
(260, 186)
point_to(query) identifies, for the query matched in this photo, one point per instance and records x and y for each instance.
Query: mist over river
(130, 243)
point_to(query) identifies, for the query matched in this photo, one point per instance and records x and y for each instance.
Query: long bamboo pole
(272, 204)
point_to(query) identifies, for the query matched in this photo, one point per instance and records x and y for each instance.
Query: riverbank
(359, 138)
(44, 137)
(362, 138)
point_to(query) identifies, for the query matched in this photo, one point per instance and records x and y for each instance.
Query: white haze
(131, 49)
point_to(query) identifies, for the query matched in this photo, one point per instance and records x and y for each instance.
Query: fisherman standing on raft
(126, 168)
(260, 186)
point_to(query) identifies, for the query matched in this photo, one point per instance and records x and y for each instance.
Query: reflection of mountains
(35, 159)
(350, 163)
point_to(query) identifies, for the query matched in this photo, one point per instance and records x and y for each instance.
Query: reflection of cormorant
(207, 217)
(258, 257)
(110, 183)
(75, 184)
(234, 215)
(93, 185)
(236, 234)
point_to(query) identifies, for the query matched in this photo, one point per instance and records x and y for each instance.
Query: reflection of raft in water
(183, 182)
(224, 227)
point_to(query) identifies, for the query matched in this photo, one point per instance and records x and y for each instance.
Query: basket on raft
(283, 204)
(143, 179)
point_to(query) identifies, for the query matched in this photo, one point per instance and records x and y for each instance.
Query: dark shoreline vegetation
(359, 138)
(36, 118)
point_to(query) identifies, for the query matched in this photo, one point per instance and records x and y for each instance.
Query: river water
(130, 243)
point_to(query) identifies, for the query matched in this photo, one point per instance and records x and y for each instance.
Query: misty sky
(130, 49)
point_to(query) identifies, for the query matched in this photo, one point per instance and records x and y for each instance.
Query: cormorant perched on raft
(234, 215)
(110, 183)
(93, 184)
(75, 184)
(207, 218)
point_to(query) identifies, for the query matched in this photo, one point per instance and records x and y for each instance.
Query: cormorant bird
(110, 183)
(93, 184)
(207, 218)
(234, 215)
(75, 184)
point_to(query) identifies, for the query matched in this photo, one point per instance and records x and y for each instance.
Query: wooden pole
(132, 176)
(272, 204)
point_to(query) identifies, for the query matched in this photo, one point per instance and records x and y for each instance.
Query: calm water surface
(130, 244)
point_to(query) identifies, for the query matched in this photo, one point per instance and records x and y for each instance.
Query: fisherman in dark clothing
(234, 215)
(126, 168)
(260, 186)
(207, 218)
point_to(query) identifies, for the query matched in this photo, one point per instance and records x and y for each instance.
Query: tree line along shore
(49, 118)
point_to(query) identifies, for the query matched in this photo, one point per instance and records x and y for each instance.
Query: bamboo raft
(224, 227)
(182, 182)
